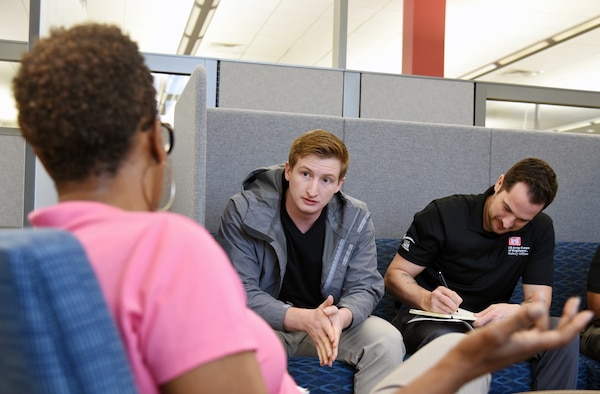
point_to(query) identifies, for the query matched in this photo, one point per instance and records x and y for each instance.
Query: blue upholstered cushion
(56, 333)
(309, 374)
(589, 373)
(386, 250)
(517, 378)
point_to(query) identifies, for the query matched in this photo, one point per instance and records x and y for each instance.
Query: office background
(480, 35)
(544, 56)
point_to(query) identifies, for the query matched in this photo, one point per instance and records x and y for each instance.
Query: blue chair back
(56, 333)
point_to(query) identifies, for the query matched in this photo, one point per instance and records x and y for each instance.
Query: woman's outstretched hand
(500, 344)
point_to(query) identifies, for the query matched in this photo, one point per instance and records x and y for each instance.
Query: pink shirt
(176, 298)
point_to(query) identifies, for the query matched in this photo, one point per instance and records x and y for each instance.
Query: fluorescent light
(183, 44)
(194, 14)
(523, 53)
(205, 25)
(537, 47)
(573, 126)
(197, 24)
(591, 24)
(196, 46)
(480, 71)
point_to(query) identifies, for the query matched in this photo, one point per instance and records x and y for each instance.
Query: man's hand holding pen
(443, 299)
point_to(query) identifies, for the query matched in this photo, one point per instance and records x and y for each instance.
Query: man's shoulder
(542, 219)
(352, 201)
(458, 199)
(453, 203)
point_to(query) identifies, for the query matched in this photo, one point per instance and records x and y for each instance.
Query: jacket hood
(265, 180)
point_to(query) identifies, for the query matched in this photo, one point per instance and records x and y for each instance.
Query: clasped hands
(325, 327)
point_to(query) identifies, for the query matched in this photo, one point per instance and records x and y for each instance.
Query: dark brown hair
(82, 93)
(537, 175)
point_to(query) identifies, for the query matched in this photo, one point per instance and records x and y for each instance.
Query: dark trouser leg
(590, 342)
(556, 369)
(418, 334)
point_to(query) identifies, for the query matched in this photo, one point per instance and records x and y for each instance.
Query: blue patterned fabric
(589, 373)
(309, 374)
(56, 333)
(572, 261)
(386, 250)
(517, 378)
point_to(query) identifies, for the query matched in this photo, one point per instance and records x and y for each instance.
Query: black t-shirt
(302, 280)
(482, 267)
(593, 282)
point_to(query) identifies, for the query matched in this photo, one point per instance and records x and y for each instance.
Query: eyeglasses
(168, 136)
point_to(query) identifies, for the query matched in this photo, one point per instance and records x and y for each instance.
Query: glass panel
(533, 116)
(168, 89)
(8, 110)
(14, 20)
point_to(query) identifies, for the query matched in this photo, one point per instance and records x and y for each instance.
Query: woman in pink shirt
(87, 106)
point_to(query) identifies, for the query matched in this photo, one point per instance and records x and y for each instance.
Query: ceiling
(478, 32)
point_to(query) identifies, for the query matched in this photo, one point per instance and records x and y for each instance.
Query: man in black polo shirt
(470, 251)
(590, 339)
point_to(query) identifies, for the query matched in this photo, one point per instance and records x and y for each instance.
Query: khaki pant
(374, 348)
(422, 360)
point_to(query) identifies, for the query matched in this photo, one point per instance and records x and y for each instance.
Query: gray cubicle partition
(418, 99)
(399, 167)
(396, 167)
(280, 88)
(188, 160)
(12, 168)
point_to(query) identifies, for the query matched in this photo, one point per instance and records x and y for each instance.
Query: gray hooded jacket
(252, 235)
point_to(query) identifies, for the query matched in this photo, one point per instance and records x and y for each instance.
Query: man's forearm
(406, 289)
(294, 319)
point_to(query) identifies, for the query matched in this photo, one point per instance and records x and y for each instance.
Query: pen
(444, 283)
(442, 279)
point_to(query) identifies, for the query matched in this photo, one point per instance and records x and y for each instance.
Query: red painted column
(423, 37)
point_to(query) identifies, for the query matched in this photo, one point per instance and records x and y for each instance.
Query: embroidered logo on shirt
(515, 248)
(406, 241)
(514, 241)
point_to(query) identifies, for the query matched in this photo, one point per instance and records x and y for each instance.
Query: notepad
(460, 314)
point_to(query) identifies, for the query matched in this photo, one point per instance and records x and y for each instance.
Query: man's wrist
(346, 317)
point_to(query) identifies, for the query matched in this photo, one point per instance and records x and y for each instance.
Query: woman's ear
(157, 145)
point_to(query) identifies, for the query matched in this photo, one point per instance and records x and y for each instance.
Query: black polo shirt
(482, 267)
(593, 282)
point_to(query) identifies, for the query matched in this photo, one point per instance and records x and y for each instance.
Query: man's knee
(380, 337)
(388, 339)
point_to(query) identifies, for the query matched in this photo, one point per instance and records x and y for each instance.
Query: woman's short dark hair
(82, 93)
